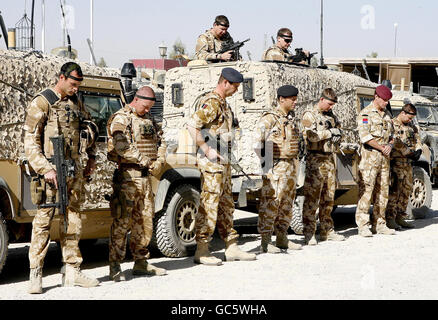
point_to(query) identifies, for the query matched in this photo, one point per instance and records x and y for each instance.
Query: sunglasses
(287, 39)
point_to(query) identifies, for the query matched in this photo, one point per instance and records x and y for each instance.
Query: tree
(178, 49)
(372, 55)
(102, 63)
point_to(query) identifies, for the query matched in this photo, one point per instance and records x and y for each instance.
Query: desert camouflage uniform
(278, 134)
(374, 167)
(42, 122)
(216, 207)
(407, 140)
(320, 182)
(275, 53)
(208, 45)
(134, 143)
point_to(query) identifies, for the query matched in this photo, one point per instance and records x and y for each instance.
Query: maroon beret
(384, 92)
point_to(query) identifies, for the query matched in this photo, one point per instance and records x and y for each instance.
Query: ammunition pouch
(37, 190)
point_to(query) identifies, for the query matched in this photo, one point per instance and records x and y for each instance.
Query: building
(417, 74)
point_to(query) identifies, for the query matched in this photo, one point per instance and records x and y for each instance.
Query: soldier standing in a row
(54, 112)
(407, 148)
(277, 146)
(136, 145)
(322, 135)
(211, 128)
(376, 135)
(212, 41)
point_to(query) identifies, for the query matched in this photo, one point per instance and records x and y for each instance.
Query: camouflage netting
(267, 77)
(22, 75)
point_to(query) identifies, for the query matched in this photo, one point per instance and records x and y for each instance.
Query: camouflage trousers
(43, 220)
(400, 190)
(138, 218)
(277, 198)
(319, 192)
(216, 206)
(373, 188)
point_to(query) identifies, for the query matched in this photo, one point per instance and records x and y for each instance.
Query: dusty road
(382, 267)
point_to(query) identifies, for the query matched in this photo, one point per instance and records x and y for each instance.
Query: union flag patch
(365, 120)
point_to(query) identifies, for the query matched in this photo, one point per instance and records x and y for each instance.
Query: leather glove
(415, 156)
(155, 168)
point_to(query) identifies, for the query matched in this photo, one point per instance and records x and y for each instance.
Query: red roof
(159, 64)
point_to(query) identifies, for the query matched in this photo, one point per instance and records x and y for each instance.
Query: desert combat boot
(310, 240)
(72, 276)
(267, 246)
(233, 252)
(391, 224)
(383, 229)
(116, 273)
(331, 236)
(143, 268)
(203, 255)
(403, 223)
(35, 281)
(283, 242)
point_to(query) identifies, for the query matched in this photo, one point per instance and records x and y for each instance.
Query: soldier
(135, 144)
(279, 51)
(277, 141)
(212, 41)
(54, 112)
(376, 135)
(407, 148)
(322, 135)
(215, 119)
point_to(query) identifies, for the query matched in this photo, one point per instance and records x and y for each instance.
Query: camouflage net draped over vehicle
(22, 75)
(267, 78)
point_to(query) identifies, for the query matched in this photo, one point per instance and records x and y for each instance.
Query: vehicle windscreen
(425, 114)
(101, 108)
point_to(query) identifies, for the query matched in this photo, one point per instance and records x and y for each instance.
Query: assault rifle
(235, 47)
(300, 56)
(64, 169)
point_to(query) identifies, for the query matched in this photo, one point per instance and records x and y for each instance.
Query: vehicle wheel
(421, 197)
(297, 217)
(4, 240)
(175, 225)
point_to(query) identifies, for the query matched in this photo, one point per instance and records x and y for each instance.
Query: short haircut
(222, 21)
(69, 67)
(409, 108)
(330, 94)
(221, 79)
(284, 32)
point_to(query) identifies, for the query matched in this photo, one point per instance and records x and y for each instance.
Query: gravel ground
(382, 267)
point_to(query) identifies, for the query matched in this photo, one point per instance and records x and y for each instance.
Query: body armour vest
(323, 122)
(219, 133)
(64, 118)
(142, 133)
(284, 136)
(407, 134)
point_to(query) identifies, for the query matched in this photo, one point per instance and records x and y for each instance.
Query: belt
(320, 152)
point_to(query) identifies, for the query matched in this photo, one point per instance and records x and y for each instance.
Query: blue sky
(134, 29)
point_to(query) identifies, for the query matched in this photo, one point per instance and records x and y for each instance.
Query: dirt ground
(377, 268)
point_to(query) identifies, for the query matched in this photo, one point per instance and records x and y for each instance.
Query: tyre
(420, 200)
(297, 217)
(175, 225)
(4, 241)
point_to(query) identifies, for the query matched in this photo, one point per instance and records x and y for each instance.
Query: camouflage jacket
(275, 53)
(134, 139)
(208, 45)
(44, 120)
(316, 125)
(373, 124)
(406, 139)
(282, 130)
